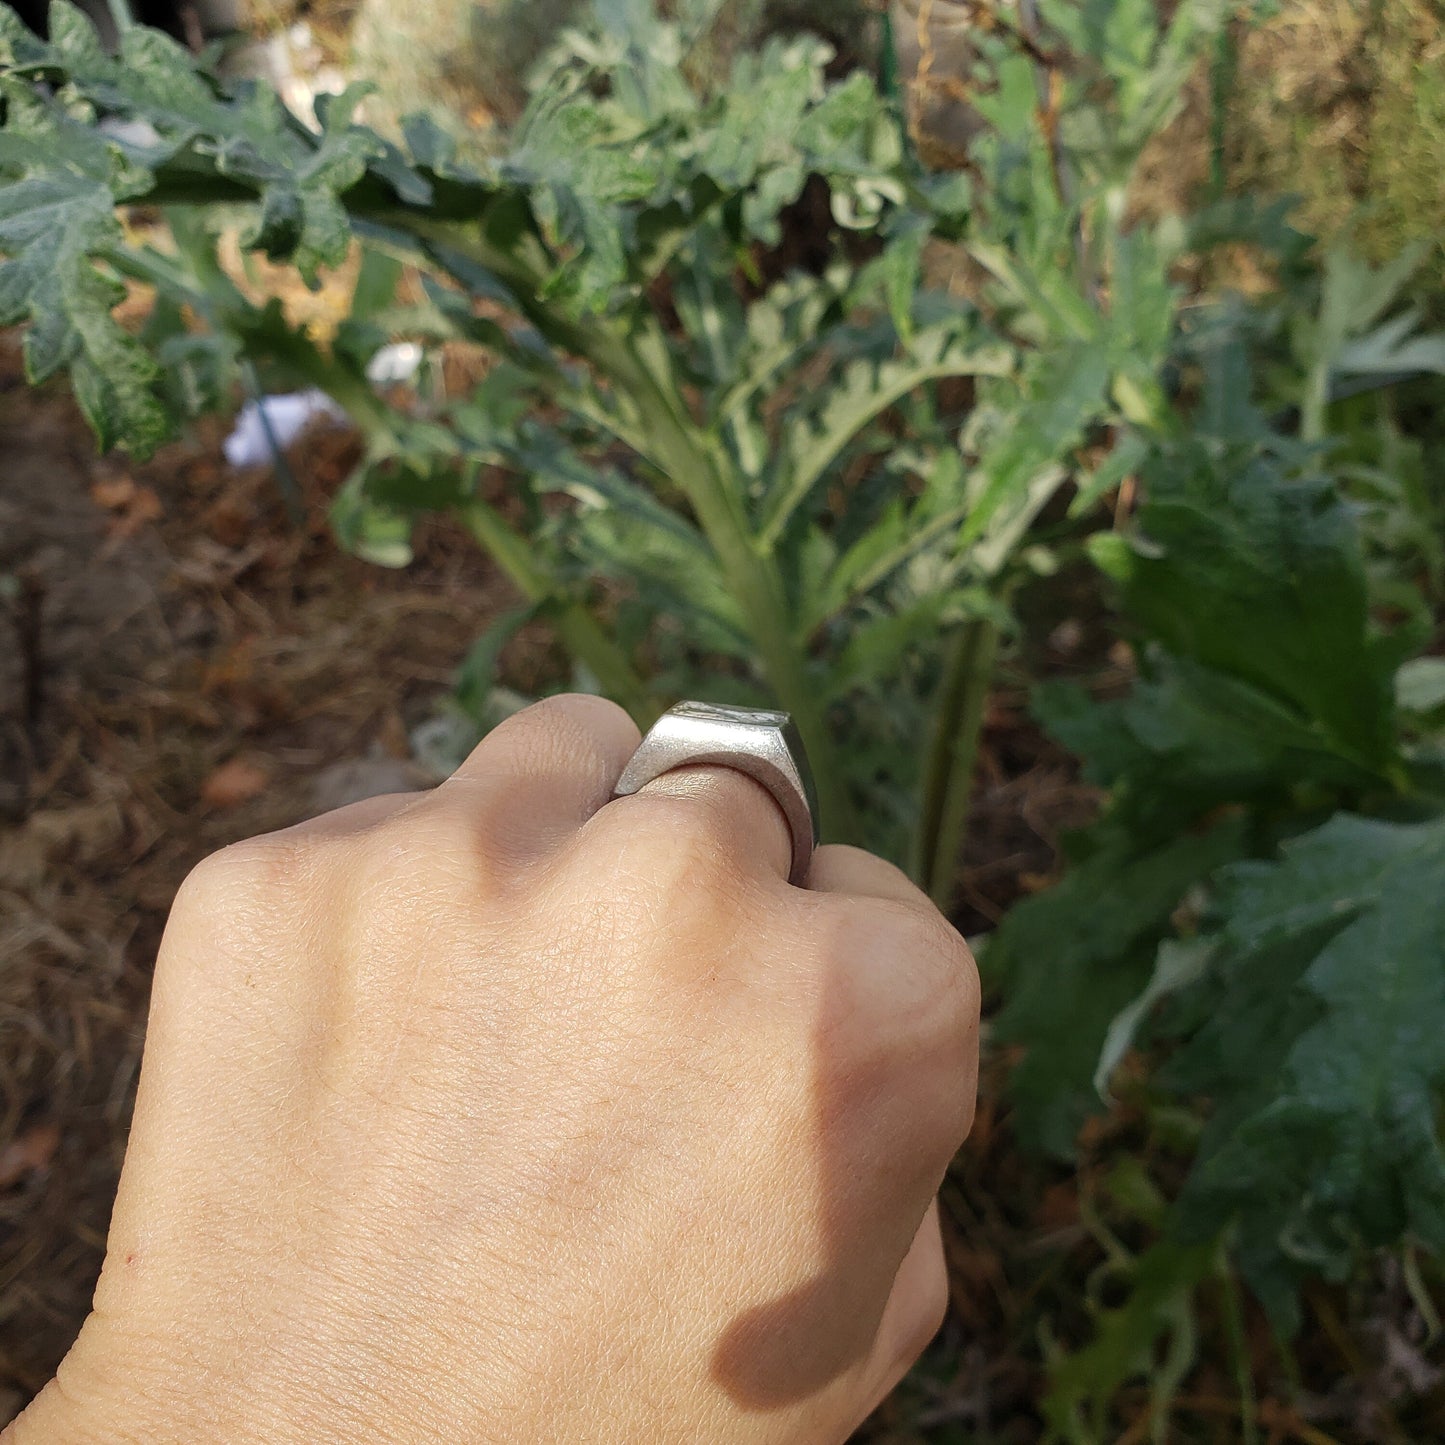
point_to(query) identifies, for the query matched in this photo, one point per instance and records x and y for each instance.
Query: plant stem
(1315, 406)
(754, 580)
(685, 454)
(953, 751)
(1233, 1311)
(286, 483)
(1223, 78)
(681, 450)
(575, 625)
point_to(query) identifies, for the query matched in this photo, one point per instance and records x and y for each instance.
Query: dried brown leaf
(32, 1151)
(234, 783)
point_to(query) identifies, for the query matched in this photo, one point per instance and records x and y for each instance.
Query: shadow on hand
(793, 1347)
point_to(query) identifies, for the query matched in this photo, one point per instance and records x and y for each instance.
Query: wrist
(113, 1391)
(100, 1397)
(84, 1405)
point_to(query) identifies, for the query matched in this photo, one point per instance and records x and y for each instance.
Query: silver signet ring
(764, 745)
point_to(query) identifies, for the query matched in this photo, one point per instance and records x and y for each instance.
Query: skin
(506, 1113)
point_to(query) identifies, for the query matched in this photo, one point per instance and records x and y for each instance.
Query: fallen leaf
(32, 1151)
(115, 494)
(1058, 1206)
(132, 506)
(235, 783)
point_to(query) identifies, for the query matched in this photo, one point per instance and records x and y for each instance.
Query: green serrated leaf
(902, 267)
(1178, 964)
(376, 533)
(1254, 570)
(1064, 393)
(1074, 957)
(54, 218)
(1326, 1134)
(866, 390)
(295, 175)
(1160, 1293)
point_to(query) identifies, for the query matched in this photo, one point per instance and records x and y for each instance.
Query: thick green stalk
(756, 583)
(685, 454)
(953, 752)
(1315, 406)
(1223, 80)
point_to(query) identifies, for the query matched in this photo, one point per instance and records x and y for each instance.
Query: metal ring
(764, 745)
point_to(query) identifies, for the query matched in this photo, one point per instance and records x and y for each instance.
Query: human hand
(498, 1114)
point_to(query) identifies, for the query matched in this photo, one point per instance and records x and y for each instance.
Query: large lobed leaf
(56, 214)
(1251, 566)
(185, 119)
(1320, 1048)
(171, 134)
(1264, 685)
(626, 161)
(618, 164)
(1077, 955)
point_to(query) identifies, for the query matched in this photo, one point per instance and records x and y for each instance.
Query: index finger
(537, 778)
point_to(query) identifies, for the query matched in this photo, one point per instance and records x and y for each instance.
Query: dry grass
(330, 22)
(1341, 102)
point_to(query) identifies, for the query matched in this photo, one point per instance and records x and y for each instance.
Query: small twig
(1279, 1417)
(1026, 39)
(1223, 77)
(1233, 1312)
(29, 607)
(286, 482)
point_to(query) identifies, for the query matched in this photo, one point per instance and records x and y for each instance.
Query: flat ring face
(764, 745)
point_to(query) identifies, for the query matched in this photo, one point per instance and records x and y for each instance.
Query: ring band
(764, 745)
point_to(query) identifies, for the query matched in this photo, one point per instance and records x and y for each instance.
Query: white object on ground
(289, 415)
(395, 364)
(294, 65)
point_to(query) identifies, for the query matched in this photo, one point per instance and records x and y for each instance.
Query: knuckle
(437, 844)
(909, 1013)
(244, 875)
(677, 843)
(557, 732)
(944, 966)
